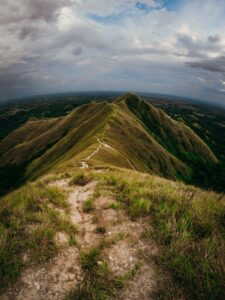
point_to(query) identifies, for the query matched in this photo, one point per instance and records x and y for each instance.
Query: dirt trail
(54, 279)
(84, 164)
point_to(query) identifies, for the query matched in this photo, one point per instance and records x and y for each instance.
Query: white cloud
(61, 40)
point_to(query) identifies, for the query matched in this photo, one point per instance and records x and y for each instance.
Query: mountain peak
(131, 97)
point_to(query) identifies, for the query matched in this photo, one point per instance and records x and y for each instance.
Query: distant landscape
(207, 122)
(77, 172)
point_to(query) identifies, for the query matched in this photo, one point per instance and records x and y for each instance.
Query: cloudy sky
(175, 47)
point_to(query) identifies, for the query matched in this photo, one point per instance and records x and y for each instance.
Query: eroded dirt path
(54, 279)
(84, 163)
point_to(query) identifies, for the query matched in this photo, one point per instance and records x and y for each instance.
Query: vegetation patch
(99, 283)
(88, 205)
(29, 220)
(80, 178)
(115, 205)
(187, 222)
(101, 229)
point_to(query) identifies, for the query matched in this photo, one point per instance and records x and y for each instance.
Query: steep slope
(33, 138)
(128, 133)
(127, 137)
(176, 137)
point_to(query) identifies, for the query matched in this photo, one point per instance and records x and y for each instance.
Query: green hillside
(103, 213)
(129, 133)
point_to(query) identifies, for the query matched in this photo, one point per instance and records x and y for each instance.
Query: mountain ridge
(98, 220)
(139, 133)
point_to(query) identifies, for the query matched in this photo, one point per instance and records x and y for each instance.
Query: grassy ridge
(175, 136)
(141, 137)
(128, 136)
(188, 224)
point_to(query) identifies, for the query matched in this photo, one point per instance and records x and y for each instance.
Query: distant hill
(129, 133)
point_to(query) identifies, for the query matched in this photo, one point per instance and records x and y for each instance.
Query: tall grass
(28, 223)
(79, 178)
(187, 222)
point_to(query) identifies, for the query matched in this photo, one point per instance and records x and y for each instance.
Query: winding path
(84, 164)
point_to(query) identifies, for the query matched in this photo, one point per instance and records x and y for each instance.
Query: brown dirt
(54, 279)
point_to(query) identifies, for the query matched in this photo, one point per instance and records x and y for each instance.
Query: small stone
(37, 285)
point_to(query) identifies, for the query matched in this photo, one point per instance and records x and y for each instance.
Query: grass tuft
(79, 178)
(101, 229)
(88, 205)
(89, 258)
(99, 283)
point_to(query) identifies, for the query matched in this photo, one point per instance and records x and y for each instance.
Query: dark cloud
(29, 31)
(214, 39)
(13, 82)
(13, 12)
(77, 51)
(213, 65)
(46, 9)
(195, 47)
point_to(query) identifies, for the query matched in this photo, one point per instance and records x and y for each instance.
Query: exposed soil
(54, 279)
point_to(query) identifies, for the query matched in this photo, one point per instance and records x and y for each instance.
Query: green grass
(188, 224)
(114, 205)
(29, 221)
(72, 241)
(88, 205)
(79, 178)
(101, 229)
(99, 282)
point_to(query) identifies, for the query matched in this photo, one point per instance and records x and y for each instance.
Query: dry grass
(99, 282)
(187, 222)
(29, 220)
(79, 178)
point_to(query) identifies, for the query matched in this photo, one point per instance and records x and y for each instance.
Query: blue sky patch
(141, 6)
(170, 5)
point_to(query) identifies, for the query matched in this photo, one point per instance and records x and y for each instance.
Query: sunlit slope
(128, 133)
(176, 137)
(127, 136)
(66, 137)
